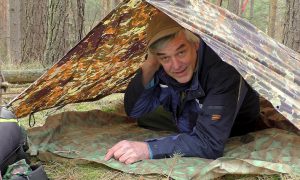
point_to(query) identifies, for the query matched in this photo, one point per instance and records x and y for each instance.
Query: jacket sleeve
(138, 99)
(213, 125)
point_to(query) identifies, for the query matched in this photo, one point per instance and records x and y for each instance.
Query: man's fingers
(109, 155)
(128, 152)
(131, 160)
(116, 151)
(111, 151)
(124, 157)
(119, 152)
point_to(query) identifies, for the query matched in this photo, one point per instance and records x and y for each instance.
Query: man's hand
(149, 67)
(128, 151)
(151, 62)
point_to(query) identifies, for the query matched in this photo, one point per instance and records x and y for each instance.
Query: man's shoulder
(213, 64)
(216, 71)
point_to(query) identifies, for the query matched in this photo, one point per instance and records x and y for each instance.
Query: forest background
(34, 34)
(40, 32)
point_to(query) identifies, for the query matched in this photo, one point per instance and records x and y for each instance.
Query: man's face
(178, 58)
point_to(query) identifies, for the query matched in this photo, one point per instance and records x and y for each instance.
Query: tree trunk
(76, 19)
(272, 18)
(2, 88)
(107, 6)
(251, 9)
(234, 6)
(14, 32)
(34, 27)
(292, 25)
(240, 8)
(3, 29)
(57, 34)
(114, 4)
(104, 6)
(219, 2)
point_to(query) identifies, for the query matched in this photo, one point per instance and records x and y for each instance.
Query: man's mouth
(178, 73)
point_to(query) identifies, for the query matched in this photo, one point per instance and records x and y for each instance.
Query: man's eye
(164, 59)
(181, 53)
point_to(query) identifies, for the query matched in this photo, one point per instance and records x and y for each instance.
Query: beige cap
(161, 25)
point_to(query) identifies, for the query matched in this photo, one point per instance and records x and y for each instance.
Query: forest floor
(68, 169)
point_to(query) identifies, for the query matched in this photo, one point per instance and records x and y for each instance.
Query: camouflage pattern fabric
(106, 59)
(270, 118)
(101, 64)
(19, 168)
(87, 136)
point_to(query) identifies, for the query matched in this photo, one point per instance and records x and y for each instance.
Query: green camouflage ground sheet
(87, 135)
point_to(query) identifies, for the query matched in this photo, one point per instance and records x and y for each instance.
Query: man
(208, 99)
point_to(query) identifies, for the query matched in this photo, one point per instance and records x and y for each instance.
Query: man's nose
(176, 63)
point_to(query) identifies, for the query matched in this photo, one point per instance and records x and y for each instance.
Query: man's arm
(141, 95)
(140, 98)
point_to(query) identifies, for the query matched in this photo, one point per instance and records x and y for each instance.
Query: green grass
(71, 170)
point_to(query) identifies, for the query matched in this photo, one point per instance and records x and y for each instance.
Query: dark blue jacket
(216, 104)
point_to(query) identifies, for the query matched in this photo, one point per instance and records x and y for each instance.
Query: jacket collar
(196, 90)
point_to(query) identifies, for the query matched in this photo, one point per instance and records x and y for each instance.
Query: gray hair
(160, 43)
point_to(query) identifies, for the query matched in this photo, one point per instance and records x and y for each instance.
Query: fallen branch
(22, 76)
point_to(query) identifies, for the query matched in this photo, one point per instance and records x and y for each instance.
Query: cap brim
(164, 33)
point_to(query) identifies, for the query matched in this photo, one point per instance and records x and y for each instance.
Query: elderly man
(185, 87)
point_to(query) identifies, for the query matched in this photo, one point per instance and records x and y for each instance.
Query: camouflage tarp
(106, 59)
(87, 135)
